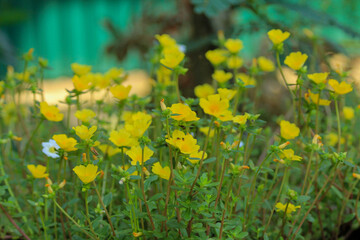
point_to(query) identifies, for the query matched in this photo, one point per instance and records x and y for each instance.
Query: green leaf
(303, 198)
(210, 160)
(156, 197)
(149, 180)
(243, 235)
(107, 199)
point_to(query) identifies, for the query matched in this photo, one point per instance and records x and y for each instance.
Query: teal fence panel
(67, 31)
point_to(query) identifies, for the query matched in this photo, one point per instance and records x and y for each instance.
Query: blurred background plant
(99, 32)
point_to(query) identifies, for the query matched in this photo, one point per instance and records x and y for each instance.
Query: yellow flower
(176, 137)
(102, 81)
(80, 69)
(84, 132)
(85, 115)
(183, 113)
(135, 153)
(109, 150)
(23, 76)
(205, 131)
(246, 79)
(185, 143)
(265, 64)
(51, 113)
(234, 45)
(277, 36)
(165, 40)
(172, 57)
(163, 172)
(318, 77)
(65, 143)
(240, 119)
(288, 130)
(197, 155)
(215, 106)
(290, 208)
(114, 73)
(203, 91)
(226, 93)
(81, 83)
(38, 171)
(315, 99)
(120, 92)
(332, 139)
(340, 88)
(349, 113)
(222, 76)
(163, 75)
(138, 124)
(234, 62)
(121, 138)
(86, 174)
(289, 155)
(295, 60)
(216, 56)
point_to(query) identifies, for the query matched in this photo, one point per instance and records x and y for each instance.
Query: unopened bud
(137, 234)
(101, 174)
(282, 146)
(62, 184)
(356, 175)
(279, 161)
(84, 157)
(147, 173)
(162, 105)
(17, 138)
(48, 180)
(49, 188)
(244, 167)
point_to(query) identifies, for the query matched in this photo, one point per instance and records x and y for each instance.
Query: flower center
(52, 149)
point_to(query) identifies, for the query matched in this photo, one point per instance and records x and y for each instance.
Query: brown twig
(14, 223)
(106, 212)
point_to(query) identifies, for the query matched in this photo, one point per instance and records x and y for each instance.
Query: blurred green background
(104, 32)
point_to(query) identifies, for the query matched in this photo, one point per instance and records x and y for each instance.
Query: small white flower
(50, 147)
(122, 180)
(182, 48)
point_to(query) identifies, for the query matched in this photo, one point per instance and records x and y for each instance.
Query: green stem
(317, 115)
(224, 210)
(17, 206)
(202, 157)
(87, 213)
(176, 77)
(307, 171)
(283, 220)
(72, 220)
(43, 224)
(106, 212)
(55, 221)
(143, 191)
(283, 76)
(252, 189)
(31, 137)
(338, 124)
(277, 198)
(343, 207)
(311, 206)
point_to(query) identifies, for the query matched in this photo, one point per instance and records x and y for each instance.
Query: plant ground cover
(169, 167)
